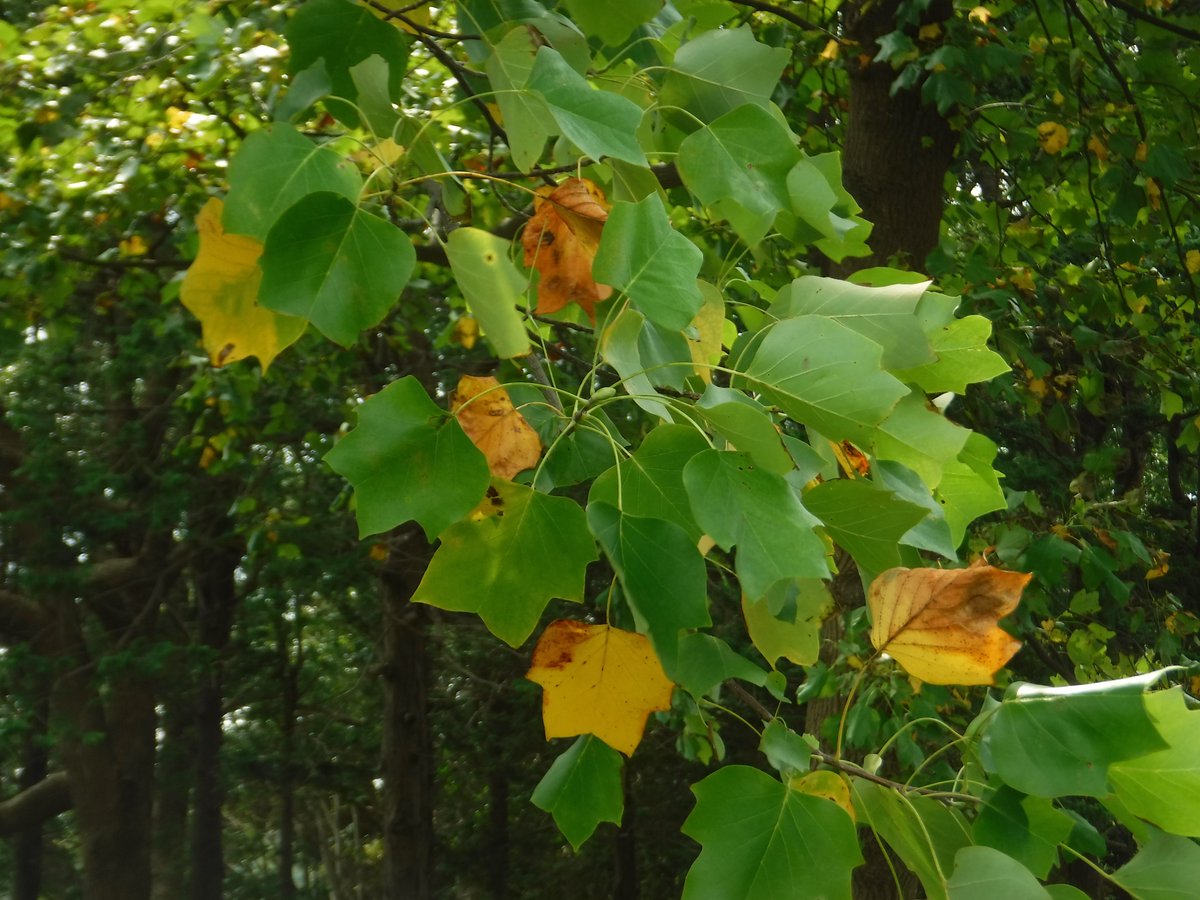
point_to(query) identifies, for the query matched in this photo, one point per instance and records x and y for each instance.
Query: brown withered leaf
(940, 624)
(494, 425)
(598, 680)
(561, 241)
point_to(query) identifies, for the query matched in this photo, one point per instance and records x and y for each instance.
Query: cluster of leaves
(725, 428)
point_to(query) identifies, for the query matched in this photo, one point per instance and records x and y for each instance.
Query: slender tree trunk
(173, 772)
(407, 748)
(216, 600)
(290, 676)
(27, 846)
(625, 886)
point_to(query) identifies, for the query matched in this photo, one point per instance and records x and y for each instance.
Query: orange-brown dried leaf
(495, 426)
(561, 241)
(940, 624)
(598, 680)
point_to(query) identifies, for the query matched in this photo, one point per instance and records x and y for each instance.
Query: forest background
(213, 688)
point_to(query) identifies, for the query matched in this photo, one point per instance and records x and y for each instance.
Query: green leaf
(970, 487)
(981, 873)
(803, 605)
(787, 752)
(650, 483)
(409, 460)
(864, 520)
(932, 533)
(656, 266)
(328, 261)
(599, 123)
(344, 34)
(506, 565)
(661, 572)
(622, 344)
(738, 167)
(612, 22)
(739, 504)
(825, 376)
(1166, 868)
(493, 287)
(819, 203)
(1052, 742)
(583, 789)
(721, 70)
(304, 89)
(883, 314)
(747, 426)
(920, 438)
(526, 117)
(374, 99)
(276, 167)
(963, 358)
(785, 843)
(706, 662)
(925, 834)
(1029, 829)
(1163, 787)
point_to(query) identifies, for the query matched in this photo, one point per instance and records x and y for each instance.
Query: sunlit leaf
(488, 417)
(493, 287)
(940, 624)
(561, 241)
(598, 680)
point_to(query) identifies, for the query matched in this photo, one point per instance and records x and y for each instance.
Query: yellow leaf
(1098, 148)
(795, 638)
(598, 680)
(830, 53)
(561, 241)
(221, 290)
(827, 785)
(709, 324)
(1192, 258)
(466, 332)
(177, 118)
(854, 463)
(1053, 137)
(1153, 193)
(940, 624)
(1022, 279)
(1058, 99)
(980, 14)
(1141, 152)
(378, 552)
(494, 425)
(930, 32)
(134, 246)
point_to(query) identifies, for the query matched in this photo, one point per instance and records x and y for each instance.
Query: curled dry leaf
(495, 426)
(561, 241)
(598, 680)
(940, 624)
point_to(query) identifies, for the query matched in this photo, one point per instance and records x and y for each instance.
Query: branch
(48, 798)
(20, 618)
(1134, 13)
(780, 12)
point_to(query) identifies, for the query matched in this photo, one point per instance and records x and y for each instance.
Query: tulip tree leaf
(981, 873)
(721, 70)
(920, 438)
(409, 460)
(527, 121)
(738, 167)
(344, 34)
(739, 504)
(330, 262)
(661, 573)
(599, 123)
(824, 375)
(275, 167)
(1167, 867)
(864, 520)
(506, 563)
(747, 426)
(963, 357)
(656, 266)
(493, 286)
(786, 843)
(1052, 742)
(583, 789)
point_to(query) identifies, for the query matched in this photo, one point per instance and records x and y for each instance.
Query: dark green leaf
(582, 789)
(721, 70)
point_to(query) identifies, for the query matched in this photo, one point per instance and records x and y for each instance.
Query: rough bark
(897, 149)
(173, 771)
(27, 846)
(407, 748)
(37, 803)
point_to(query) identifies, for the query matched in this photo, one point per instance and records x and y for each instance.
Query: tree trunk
(897, 149)
(407, 748)
(290, 677)
(625, 886)
(27, 846)
(173, 771)
(216, 600)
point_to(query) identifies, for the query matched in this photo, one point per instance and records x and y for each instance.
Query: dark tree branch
(48, 798)
(1134, 13)
(20, 618)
